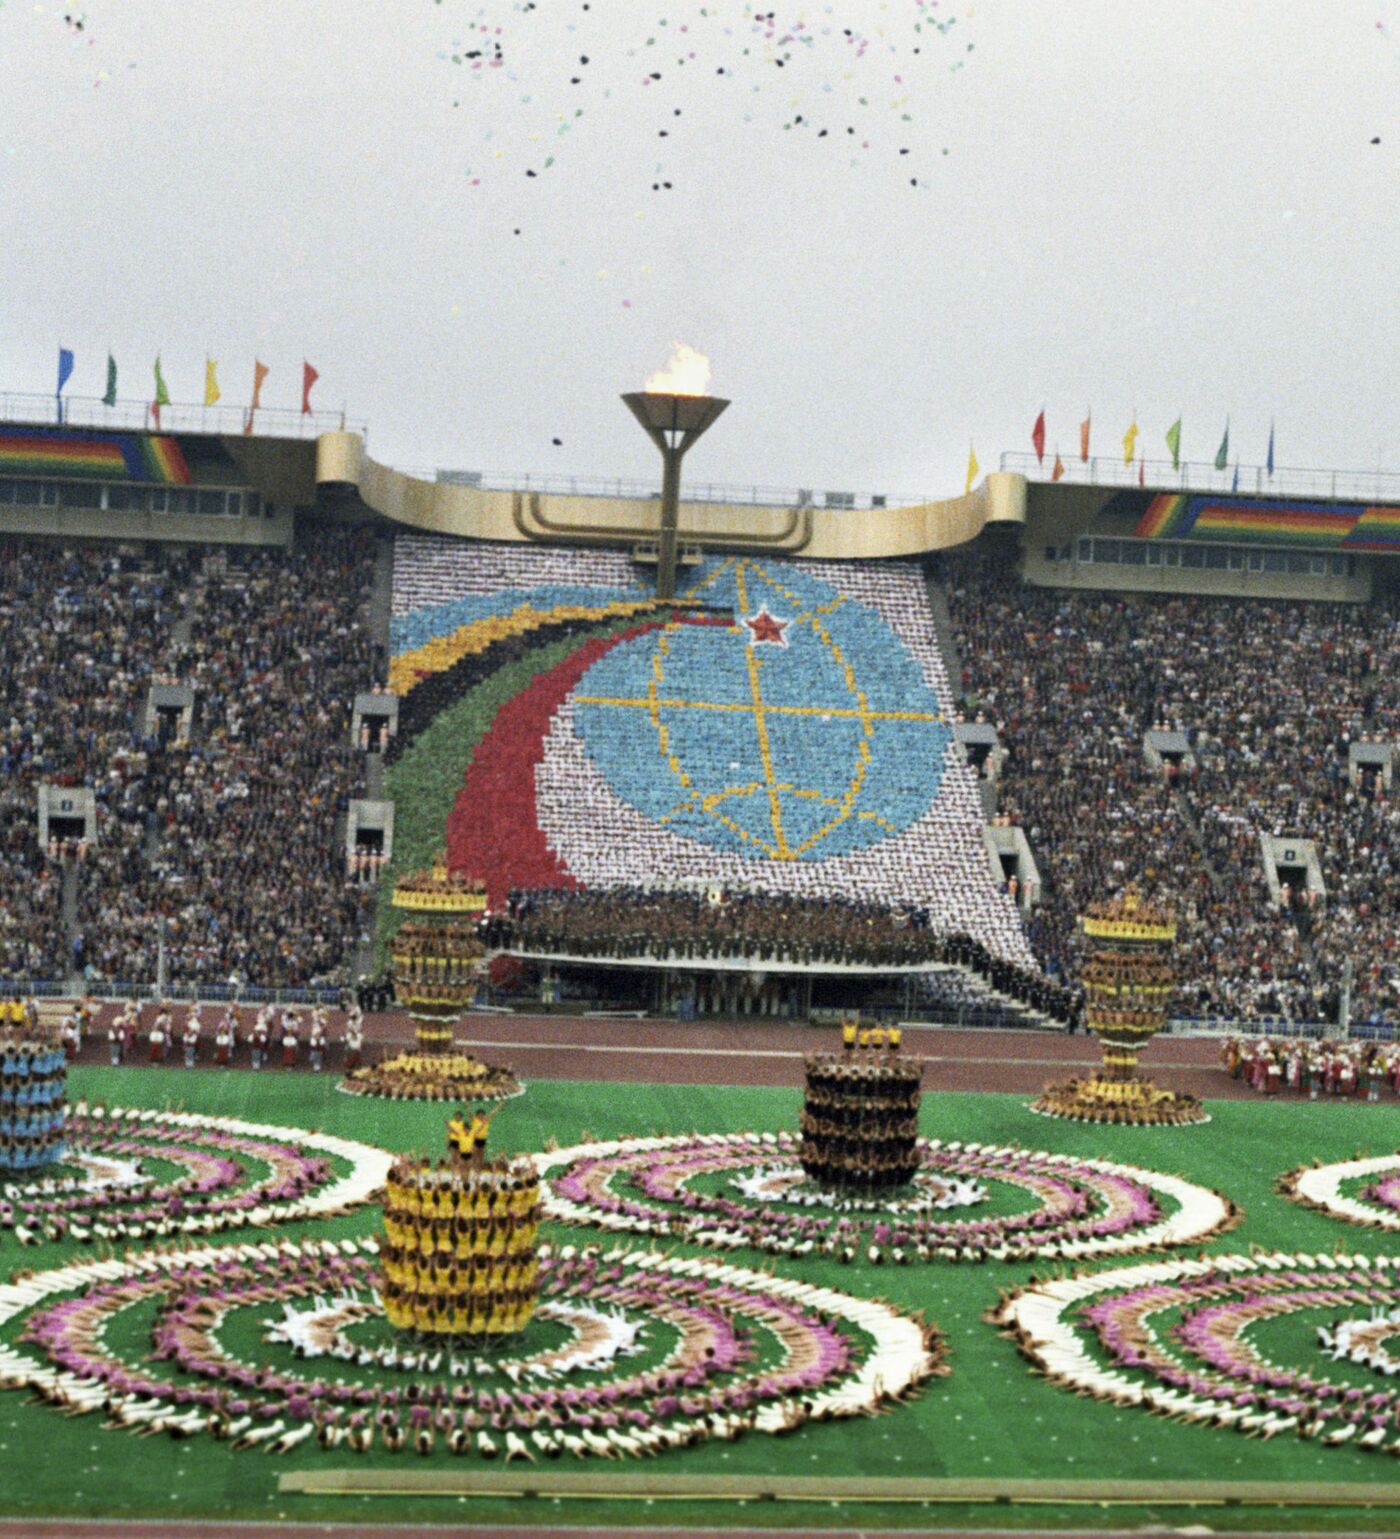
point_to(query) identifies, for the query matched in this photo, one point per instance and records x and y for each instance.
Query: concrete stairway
(68, 912)
(943, 631)
(380, 606)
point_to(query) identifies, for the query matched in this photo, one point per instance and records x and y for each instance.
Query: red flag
(1142, 472)
(1038, 437)
(1084, 438)
(260, 373)
(1059, 469)
(308, 378)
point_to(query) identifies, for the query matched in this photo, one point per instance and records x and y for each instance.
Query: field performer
(191, 1036)
(160, 1035)
(224, 1034)
(261, 1034)
(354, 1038)
(316, 1042)
(116, 1039)
(289, 1040)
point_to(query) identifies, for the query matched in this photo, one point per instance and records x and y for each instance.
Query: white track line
(515, 1045)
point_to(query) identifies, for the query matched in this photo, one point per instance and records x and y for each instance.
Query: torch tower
(675, 413)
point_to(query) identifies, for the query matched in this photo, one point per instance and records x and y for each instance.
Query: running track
(744, 1052)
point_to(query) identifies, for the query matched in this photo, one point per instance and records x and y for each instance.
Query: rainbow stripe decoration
(1263, 521)
(94, 456)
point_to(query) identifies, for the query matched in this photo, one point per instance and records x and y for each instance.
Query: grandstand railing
(1202, 476)
(694, 491)
(179, 417)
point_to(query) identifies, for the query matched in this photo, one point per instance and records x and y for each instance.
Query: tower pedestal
(438, 959)
(1128, 984)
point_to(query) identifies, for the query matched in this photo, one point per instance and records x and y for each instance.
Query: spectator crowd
(1270, 696)
(220, 843)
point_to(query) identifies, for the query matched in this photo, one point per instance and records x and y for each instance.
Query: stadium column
(673, 423)
(670, 520)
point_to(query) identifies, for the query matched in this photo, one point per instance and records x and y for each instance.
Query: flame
(687, 372)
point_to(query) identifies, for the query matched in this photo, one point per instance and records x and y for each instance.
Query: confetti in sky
(802, 70)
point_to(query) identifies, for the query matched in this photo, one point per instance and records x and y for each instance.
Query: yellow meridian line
(848, 801)
(765, 751)
(645, 703)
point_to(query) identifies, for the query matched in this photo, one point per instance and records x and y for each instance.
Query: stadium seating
(228, 842)
(1270, 695)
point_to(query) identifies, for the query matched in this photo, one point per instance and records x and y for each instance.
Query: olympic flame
(687, 372)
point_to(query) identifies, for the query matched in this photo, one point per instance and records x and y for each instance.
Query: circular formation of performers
(860, 1114)
(433, 1076)
(459, 1252)
(33, 1092)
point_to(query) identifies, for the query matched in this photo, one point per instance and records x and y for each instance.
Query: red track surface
(744, 1052)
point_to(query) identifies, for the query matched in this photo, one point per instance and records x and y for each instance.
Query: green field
(991, 1417)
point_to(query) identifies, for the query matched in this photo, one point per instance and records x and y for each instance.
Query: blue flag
(1236, 484)
(1271, 448)
(65, 371)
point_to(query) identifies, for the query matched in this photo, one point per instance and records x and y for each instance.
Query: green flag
(1174, 443)
(110, 399)
(1222, 454)
(162, 394)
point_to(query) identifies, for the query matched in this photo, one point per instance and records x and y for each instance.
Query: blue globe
(804, 730)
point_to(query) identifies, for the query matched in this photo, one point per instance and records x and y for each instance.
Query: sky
(1165, 209)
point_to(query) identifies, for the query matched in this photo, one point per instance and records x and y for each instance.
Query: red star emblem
(767, 627)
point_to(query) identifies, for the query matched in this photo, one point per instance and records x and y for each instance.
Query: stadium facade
(822, 719)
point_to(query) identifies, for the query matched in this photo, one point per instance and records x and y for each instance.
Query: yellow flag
(1130, 442)
(211, 382)
(972, 468)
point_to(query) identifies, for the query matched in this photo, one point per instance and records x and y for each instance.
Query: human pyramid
(33, 1088)
(860, 1116)
(459, 1256)
(1313, 1068)
(1128, 981)
(438, 959)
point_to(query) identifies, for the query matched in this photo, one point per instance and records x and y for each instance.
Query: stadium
(683, 836)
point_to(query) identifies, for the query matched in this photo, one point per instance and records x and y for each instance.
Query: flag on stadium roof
(1130, 441)
(1084, 436)
(972, 468)
(162, 394)
(1174, 443)
(260, 373)
(1038, 436)
(110, 398)
(65, 372)
(1222, 454)
(309, 376)
(212, 393)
